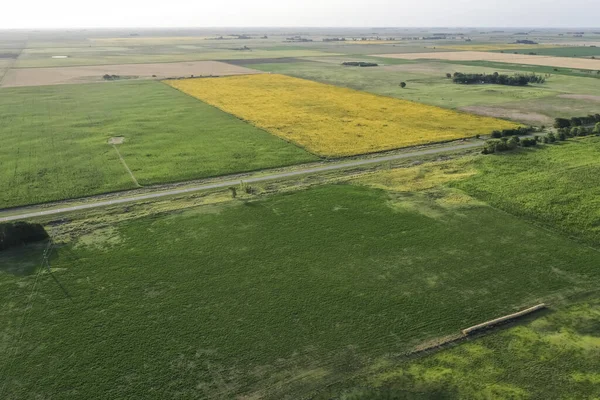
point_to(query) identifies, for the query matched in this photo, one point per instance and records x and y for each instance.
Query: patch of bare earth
(588, 97)
(116, 140)
(548, 61)
(515, 115)
(95, 73)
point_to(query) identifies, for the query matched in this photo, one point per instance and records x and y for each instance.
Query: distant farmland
(62, 75)
(565, 62)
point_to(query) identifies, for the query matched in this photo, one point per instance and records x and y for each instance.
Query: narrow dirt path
(126, 167)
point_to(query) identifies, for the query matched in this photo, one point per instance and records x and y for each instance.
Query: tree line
(504, 144)
(359, 64)
(522, 130)
(560, 123)
(503, 141)
(575, 131)
(496, 79)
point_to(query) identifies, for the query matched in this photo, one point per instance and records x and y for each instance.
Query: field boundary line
(9, 67)
(126, 167)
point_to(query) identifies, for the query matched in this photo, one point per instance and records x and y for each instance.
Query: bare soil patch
(512, 114)
(548, 61)
(116, 140)
(86, 74)
(589, 97)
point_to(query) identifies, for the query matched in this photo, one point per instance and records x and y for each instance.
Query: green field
(557, 187)
(274, 297)
(563, 51)
(538, 69)
(54, 140)
(555, 106)
(556, 356)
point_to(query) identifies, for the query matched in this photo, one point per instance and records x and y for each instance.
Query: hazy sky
(217, 13)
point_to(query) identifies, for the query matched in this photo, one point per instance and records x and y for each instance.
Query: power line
(21, 331)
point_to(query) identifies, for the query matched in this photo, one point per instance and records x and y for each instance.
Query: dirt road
(227, 181)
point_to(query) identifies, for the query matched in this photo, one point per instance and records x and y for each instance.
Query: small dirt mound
(116, 140)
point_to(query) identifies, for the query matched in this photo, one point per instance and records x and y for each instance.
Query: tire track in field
(126, 167)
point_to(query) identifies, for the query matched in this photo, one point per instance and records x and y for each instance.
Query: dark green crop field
(272, 298)
(55, 140)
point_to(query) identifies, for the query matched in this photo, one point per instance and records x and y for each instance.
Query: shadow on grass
(24, 260)
(28, 259)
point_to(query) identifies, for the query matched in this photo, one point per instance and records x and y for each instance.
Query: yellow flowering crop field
(332, 121)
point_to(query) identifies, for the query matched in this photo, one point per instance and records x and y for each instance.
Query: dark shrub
(562, 136)
(561, 123)
(20, 233)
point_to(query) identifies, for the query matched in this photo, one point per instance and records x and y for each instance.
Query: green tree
(512, 143)
(562, 123)
(574, 131)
